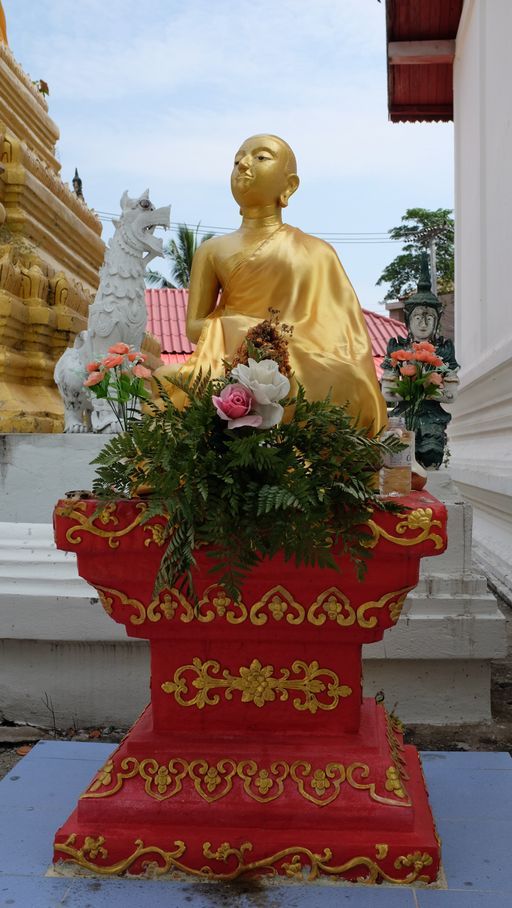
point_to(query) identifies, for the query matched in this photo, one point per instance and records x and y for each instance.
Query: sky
(160, 94)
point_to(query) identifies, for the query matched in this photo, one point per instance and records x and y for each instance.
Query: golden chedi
(50, 254)
(266, 264)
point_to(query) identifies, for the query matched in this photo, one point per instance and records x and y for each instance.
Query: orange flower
(137, 355)
(424, 345)
(409, 370)
(110, 361)
(141, 372)
(425, 357)
(121, 348)
(400, 355)
(93, 367)
(434, 378)
(94, 379)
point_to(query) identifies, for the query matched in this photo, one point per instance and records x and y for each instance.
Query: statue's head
(422, 322)
(423, 310)
(264, 172)
(138, 221)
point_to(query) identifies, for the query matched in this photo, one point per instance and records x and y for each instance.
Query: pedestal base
(352, 806)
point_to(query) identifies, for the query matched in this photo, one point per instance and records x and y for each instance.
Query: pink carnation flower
(94, 379)
(434, 378)
(119, 348)
(140, 371)
(113, 360)
(234, 404)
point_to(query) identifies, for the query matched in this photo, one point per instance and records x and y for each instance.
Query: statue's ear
(124, 200)
(145, 194)
(291, 187)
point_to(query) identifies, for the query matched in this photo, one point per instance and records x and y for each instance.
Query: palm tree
(180, 252)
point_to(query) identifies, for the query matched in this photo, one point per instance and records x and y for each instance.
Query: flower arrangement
(118, 378)
(228, 472)
(419, 375)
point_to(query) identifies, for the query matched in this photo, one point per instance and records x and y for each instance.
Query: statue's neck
(258, 218)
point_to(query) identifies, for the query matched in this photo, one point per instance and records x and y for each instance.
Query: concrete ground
(470, 795)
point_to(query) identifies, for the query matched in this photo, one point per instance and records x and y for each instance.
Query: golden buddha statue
(267, 264)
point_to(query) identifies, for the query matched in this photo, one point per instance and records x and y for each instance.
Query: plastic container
(395, 474)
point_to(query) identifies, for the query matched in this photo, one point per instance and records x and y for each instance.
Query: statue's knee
(161, 378)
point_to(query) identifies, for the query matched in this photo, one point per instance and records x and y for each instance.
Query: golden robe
(330, 350)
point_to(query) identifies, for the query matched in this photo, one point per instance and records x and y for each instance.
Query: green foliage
(304, 487)
(402, 273)
(181, 253)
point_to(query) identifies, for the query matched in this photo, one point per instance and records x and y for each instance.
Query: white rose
(264, 380)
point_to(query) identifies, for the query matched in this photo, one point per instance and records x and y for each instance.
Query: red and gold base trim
(229, 863)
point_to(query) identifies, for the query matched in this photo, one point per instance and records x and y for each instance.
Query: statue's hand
(194, 329)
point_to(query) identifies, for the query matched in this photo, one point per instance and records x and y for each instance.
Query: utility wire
(342, 237)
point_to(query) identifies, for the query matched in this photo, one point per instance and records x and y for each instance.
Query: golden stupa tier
(50, 255)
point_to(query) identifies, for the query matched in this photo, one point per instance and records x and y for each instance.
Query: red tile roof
(166, 320)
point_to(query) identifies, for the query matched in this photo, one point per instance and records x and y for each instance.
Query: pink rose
(94, 379)
(234, 404)
(410, 371)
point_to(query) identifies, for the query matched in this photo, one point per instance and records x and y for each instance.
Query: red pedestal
(257, 753)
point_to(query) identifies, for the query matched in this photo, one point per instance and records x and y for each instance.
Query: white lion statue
(117, 314)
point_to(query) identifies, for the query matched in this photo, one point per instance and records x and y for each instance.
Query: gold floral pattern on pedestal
(277, 604)
(357, 777)
(263, 785)
(104, 521)
(212, 781)
(215, 603)
(257, 684)
(321, 784)
(420, 519)
(303, 865)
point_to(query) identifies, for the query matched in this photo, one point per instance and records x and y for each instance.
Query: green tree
(180, 252)
(402, 273)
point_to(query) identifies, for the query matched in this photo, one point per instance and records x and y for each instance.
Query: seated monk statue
(266, 264)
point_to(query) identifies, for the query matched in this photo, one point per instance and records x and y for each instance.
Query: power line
(341, 237)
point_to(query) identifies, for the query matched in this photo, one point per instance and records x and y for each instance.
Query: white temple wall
(481, 430)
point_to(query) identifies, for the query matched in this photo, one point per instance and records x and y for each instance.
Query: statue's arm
(203, 292)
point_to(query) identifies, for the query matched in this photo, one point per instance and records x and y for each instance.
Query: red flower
(400, 355)
(137, 355)
(121, 348)
(408, 370)
(93, 367)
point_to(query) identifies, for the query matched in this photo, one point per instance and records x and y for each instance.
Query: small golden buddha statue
(266, 264)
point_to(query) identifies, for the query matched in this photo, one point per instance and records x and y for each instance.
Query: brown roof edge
(420, 46)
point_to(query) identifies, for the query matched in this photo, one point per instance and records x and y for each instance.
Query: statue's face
(423, 323)
(261, 172)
